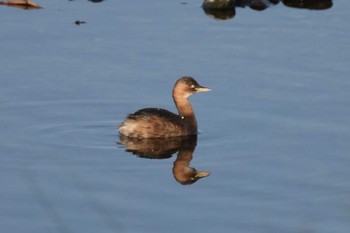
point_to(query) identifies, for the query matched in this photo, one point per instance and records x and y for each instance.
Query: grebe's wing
(160, 113)
(154, 123)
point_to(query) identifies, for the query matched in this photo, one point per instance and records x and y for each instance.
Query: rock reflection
(220, 14)
(258, 5)
(309, 4)
(164, 149)
(225, 9)
(219, 9)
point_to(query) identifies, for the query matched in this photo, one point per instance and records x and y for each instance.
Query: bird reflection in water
(225, 9)
(164, 148)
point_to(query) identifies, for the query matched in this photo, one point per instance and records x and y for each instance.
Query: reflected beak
(202, 89)
(202, 174)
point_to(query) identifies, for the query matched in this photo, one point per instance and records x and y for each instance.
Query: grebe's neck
(185, 110)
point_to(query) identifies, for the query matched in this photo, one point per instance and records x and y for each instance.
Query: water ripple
(86, 124)
(88, 134)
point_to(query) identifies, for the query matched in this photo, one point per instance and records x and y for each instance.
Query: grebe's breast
(154, 123)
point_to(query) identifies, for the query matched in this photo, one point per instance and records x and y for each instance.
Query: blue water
(274, 132)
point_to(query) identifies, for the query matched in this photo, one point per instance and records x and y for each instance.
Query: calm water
(274, 132)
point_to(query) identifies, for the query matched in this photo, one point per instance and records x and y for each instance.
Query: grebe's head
(186, 86)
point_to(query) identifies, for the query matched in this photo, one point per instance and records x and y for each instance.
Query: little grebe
(160, 123)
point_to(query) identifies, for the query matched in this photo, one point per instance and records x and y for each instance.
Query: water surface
(274, 132)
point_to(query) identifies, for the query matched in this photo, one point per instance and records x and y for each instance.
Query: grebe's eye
(192, 86)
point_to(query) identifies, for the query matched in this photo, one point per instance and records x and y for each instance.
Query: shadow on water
(226, 9)
(164, 149)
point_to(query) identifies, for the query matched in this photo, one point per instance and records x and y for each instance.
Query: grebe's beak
(202, 89)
